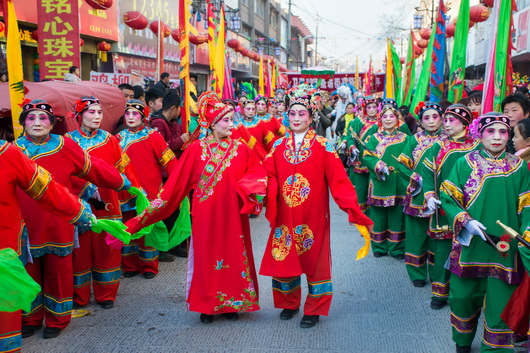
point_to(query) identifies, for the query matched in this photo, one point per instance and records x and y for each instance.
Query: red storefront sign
(58, 31)
(112, 78)
(333, 83)
(125, 64)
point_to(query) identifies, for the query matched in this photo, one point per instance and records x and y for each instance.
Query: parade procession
(215, 176)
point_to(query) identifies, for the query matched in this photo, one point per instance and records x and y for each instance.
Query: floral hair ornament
(84, 103)
(369, 100)
(211, 109)
(137, 105)
(261, 98)
(478, 126)
(461, 112)
(302, 95)
(422, 107)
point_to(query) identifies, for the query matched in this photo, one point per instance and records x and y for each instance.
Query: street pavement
(375, 309)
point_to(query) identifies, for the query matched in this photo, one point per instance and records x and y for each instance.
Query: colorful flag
(212, 28)
(438, 56)
(14, 66)
(389, 76)
(357, 82)
(228, 88)
(368, 79)
(458, 60)
(408, 79)
(396, 65)
(423, 81)
(219, 68)
(497, 83)
(261, 80)
(274, 76)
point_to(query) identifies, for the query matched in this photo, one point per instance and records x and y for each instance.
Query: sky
(350, 28)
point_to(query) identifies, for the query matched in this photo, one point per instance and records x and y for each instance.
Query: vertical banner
(458, 60)
(58, 32)
(438, 57)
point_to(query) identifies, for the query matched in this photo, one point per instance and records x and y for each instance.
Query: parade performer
(345, 97)
(438, 162)
(416, 215)
(485, 186)
(226, 177)
(150, 157)
(386, 190)
(355, 132)
(273, 125)
(95, 262)
(51, 239)
(302, 169)
(256, 127)
(18, 171)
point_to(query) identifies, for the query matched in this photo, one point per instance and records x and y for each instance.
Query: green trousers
(416, 247)
(360, 181)
(388, 235)
(440, 277)
(467, 298)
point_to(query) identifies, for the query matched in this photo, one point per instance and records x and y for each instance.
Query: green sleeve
(426, 171)
(370, 159)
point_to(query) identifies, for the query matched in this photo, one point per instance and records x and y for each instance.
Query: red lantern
(425, 33)
(176, 34)
(135, 20)
(103, 48)
(244, 51)
(471, 23)
(450, 30)
(35, 35)
(2, 26)
(194, 39)
(488, 3)
(203, 38)
(479, 13)
(100, 4)
(165, 28)
(233, 43)
(423, 43)
(81, 42)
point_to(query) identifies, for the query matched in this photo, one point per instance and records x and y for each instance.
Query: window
(260, 8)
(273, 20)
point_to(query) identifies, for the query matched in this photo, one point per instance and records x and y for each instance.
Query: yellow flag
(273, 79)
(220, 55)
(14, 67)
(261, 81)
(366, 235)
(389, 80)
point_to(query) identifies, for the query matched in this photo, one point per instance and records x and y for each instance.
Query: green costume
(486, 189)
(440, 159)
(386, 197)
(416, 217)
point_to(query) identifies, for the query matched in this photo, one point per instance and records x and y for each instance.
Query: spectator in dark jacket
(163, 84)
(165, 122)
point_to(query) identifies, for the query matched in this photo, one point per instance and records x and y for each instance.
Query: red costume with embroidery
(225, 177)
(20, 171)
(96, 262)
(150, 156)
(298, 188)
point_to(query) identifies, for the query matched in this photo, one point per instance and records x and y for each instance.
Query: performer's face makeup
(452, 125)
(261, 107)
(38, 125)
(431, 121)
(371, 110)
(92, 117)
(389, 121)
(519, 141)
(494, 138)
(133, 119)
(249, 110)
(273, 109)
(299, 118)
(515, 112)
(223, 128)
(281, 107)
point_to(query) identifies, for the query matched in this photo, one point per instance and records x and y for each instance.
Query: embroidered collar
(34, 150)
(486, 154)
(128, 137)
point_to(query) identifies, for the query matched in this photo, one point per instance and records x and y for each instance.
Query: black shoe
(206, 319)
(379, 254)
(149, 275)
(419, 283)
(465, 349)
(29, 330)
(231, 316)
(129, 274)
(287, 314)
(51, 332)
(399, 257)
(179, 251)
(166, 257)
(438, 303)
(107, 304)
(309, 321)
(77, 306)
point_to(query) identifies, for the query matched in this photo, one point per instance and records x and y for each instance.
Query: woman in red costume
(227, 178)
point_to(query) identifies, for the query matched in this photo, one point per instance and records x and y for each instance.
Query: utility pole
(316, 42)
(289, 35)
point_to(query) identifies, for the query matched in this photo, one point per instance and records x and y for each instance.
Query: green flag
(396, 62)
(458, 60)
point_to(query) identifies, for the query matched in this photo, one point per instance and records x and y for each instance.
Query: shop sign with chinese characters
(58, 32)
